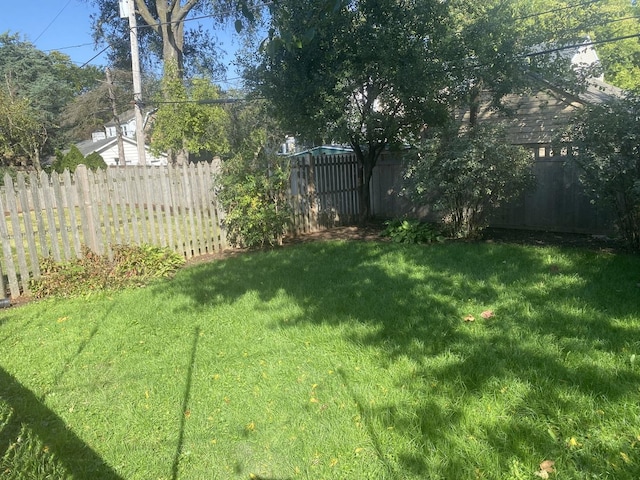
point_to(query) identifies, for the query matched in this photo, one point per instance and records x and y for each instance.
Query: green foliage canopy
(465, 175)
(183, 123)
(35, 87)
(605, 143)
(366, 73)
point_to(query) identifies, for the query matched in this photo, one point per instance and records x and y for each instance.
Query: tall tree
(44, 84)
(619, 21)
(164, 37)
(188, 120)
(367, 73)
(22, 136)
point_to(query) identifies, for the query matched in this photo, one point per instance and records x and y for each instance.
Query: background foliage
(465, 175)
(605, 143)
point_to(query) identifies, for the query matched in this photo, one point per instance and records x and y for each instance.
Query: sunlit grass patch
(340, 360)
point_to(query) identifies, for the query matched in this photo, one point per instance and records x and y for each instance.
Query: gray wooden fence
(558, 204)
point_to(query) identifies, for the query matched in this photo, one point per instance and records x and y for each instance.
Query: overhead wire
(51, 22)
(580, 45)
(558, 9)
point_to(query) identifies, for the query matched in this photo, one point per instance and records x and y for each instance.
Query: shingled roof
(535, 118)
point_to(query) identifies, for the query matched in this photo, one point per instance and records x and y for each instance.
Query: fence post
(3, 288)
(311, 194)
(83, 179)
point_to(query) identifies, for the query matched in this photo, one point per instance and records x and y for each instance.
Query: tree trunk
(367, 160)
(474, 104)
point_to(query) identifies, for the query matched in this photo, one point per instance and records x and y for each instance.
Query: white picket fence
(54, 215)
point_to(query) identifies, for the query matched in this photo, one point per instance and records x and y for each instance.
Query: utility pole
(128, 9)
(112, 97)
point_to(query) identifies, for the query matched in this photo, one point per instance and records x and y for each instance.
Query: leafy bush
(412, 231)
(131, 265)
(466, 175)
(253, 195)
(74, 157)
(604, 141)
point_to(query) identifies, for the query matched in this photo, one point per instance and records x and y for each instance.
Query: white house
(105, 143)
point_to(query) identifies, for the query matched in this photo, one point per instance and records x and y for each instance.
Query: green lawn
(335, 360)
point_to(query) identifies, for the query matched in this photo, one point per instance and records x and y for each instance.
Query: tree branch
(146, 15)
(182, 12)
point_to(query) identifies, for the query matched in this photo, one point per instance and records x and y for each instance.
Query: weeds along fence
(54, 215)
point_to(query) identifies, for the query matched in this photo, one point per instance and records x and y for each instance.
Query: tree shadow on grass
(414, 300)
(78, 459)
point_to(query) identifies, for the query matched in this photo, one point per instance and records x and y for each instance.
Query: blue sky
(53, 24)
(65, 25)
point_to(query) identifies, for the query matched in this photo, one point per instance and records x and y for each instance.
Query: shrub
(95, 161)
(466, 175)
(412, 231)
(604, 141)
(253, 195)
(131, 265)
(74, 157)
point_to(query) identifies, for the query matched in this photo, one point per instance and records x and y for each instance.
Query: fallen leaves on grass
(546, 468)
(487, 314)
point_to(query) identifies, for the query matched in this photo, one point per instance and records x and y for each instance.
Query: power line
(559, 9)
(205, 101)
(580, 45)
(51, 22)
(68, 48)
(95, 56)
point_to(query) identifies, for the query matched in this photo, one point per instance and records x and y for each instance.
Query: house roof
(598, 91)
(537, 117)
(87, 147)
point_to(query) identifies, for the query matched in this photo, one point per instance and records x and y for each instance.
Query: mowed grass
(336, 360)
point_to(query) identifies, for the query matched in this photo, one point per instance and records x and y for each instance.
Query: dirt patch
(372, 232)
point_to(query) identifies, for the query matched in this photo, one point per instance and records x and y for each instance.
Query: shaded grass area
(335, 360)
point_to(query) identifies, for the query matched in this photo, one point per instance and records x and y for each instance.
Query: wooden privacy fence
(323, 191)
(559, 203)
(54, 215)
